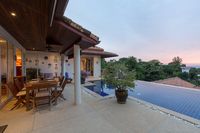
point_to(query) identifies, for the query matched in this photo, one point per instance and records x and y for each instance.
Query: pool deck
(93, 115)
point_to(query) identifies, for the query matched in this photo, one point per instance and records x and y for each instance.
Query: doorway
(87, 65)
(18, 62)
(6, 68)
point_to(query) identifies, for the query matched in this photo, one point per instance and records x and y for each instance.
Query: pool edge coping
(177, 115)
(154, 107)
(173, 86)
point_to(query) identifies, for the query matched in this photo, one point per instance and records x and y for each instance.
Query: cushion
(21, 93)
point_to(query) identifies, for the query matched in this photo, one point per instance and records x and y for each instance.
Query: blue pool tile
(184, 101)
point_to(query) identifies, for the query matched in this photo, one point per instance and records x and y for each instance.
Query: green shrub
(118, 75)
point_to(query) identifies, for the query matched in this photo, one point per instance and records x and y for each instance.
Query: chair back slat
(21, 79)
(17, 84)
(61, 79)
(64, 84)
(12, 89)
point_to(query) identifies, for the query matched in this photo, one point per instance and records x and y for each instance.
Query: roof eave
(102, 54)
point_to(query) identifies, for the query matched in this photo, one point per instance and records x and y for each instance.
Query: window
(87, 64)
(6, 68)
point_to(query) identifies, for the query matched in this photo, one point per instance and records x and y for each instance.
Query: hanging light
(13, 14)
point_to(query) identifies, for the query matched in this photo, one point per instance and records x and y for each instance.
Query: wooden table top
(32, 85)
(42, 84)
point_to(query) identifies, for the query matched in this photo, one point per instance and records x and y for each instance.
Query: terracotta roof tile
(98, 51)
(176, 81)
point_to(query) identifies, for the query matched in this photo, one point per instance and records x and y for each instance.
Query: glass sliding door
(87, 64)
(19, 68)
(11, 61)
(6, 68)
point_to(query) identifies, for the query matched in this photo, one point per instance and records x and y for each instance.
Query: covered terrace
(39, 25)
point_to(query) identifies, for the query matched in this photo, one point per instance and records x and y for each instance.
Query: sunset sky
(146, 29)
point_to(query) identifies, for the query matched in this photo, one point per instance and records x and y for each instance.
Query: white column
(62, 64)
(77, 76)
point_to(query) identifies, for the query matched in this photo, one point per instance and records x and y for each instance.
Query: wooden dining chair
(59, 91)
(3, 128)
(61, 79)
(19, 85)
(42, 97)
(19, 95)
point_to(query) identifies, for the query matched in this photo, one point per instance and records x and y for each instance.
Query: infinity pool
(184, 101)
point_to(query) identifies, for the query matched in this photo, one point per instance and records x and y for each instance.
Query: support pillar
(77, 75)
(63, 65)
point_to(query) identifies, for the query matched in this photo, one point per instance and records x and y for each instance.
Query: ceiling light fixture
(2, 41)
(13, 14)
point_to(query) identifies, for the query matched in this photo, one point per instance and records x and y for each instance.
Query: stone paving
(94, 115)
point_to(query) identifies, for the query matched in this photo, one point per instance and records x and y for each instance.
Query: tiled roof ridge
(95, 48)
(80, 28)
(177, 82)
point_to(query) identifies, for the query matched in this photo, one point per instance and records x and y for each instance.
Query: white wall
(69, 67)
(97, 66)
(53, 59)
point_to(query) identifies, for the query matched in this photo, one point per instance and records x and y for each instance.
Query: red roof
(98, 51)
(176, 81)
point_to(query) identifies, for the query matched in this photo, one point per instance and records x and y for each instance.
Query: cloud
(147, 29)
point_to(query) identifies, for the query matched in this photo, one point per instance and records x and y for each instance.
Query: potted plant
(117, 75)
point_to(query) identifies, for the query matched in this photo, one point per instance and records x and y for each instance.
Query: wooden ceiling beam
(29, 7)
(64, 50)
(60, 8)
(11, 20)
(30, 25)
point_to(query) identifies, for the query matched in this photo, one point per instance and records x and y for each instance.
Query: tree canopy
(155, 70)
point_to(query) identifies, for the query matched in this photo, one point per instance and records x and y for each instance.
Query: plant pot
(82, 80)
(121, 96)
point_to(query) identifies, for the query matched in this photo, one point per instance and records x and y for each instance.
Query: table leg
(27, 100)
(56, 95)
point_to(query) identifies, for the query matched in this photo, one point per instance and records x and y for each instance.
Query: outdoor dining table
(32, 85)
